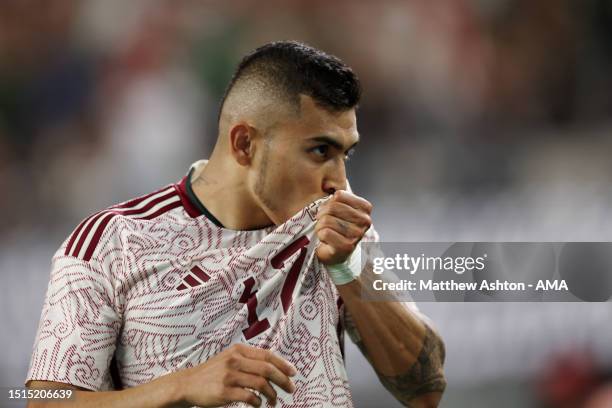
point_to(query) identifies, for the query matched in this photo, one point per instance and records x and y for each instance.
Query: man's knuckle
(324, 222)
(261, 383)
(268, 370)
(233, 361)
(229, 377)
(357, 231)
(334, 208)
(239, 348)
(348, 247)
(253, 400)
(324, 234)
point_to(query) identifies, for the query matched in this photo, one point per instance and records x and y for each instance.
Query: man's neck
(224, 194)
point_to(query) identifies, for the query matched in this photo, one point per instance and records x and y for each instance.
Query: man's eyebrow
(332, 142)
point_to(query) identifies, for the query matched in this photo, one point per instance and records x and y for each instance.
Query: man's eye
(320, 151)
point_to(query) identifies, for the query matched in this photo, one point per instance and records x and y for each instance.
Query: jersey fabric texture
(153, 285)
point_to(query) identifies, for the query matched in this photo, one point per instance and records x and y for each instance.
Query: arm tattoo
(424, 376)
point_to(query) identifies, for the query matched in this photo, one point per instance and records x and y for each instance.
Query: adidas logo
(195, 277)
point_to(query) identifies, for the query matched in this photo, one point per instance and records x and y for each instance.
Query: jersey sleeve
(79, 325)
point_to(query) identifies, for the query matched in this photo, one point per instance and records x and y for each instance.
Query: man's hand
(341, 223)
(226, 377)
(223, 379)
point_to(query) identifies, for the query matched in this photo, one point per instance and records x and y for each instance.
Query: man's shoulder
(107, 224)
(148, 206)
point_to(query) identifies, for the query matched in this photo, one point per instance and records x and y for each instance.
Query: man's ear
(241, 143)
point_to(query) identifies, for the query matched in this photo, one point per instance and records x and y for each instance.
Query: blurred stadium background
(482, 120)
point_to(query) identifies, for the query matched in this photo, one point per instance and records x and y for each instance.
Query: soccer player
(234, 285)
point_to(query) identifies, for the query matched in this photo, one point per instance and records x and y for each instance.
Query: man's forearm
(235, 374)
(423, 383)
(159, 393)
(405, 352)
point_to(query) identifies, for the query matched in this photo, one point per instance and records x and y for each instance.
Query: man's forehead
(316, 120)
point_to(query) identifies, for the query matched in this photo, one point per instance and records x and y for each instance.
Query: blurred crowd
(102, 100)
(481, 119)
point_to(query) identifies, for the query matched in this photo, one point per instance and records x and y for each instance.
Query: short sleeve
(78, 328)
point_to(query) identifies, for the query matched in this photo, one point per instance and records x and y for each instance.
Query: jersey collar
(192, 203)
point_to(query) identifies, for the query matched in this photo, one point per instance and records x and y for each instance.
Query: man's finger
(267, 371)
(243, 395)
(333, 242)
(256, 382)
(266, 355)
(348, 230)
(352, 200)
(347, 213)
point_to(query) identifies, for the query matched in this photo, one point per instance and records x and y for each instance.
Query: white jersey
(154, 285)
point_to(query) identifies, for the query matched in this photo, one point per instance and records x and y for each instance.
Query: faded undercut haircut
(287, 69)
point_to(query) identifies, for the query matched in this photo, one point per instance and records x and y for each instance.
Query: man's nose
(335, 180)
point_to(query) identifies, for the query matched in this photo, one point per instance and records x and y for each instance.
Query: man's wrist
(347, 271)
(173, 386)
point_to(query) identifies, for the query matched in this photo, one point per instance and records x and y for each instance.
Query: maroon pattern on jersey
(160, 287)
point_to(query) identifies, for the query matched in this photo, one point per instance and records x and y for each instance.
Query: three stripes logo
(87, 235)
(195, 277)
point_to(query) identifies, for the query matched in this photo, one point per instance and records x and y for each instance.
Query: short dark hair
(296, 68)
